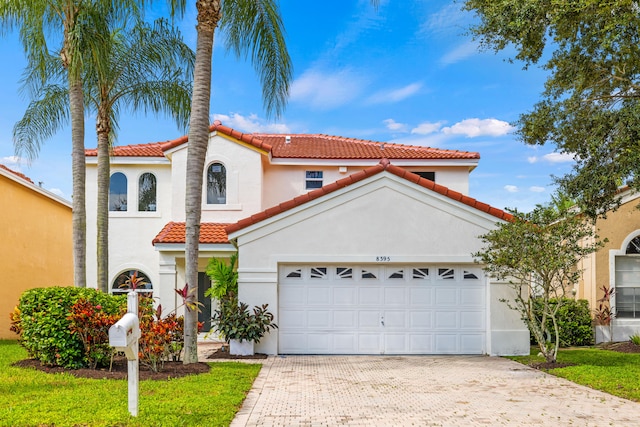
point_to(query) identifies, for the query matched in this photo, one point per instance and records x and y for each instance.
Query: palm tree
(253, 28)
(143, 67)
(39, 21)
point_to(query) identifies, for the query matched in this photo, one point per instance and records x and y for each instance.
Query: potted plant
(240, 327)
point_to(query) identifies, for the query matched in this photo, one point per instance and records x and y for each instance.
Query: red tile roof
(359, 176)
(175, 232)
(18, 174)
(302, 146)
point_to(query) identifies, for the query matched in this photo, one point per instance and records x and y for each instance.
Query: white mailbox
(124, 334)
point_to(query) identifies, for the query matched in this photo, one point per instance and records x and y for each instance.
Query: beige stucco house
(617, 265)
(358, 247)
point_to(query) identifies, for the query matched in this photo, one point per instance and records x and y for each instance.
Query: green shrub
(635, 339)
(574, 322)
(45, 327)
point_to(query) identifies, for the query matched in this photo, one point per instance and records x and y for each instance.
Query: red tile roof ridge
(384, 164)
(175, 232)
(363, 141)
(16, 173)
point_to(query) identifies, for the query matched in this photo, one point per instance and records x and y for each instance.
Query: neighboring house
(617, 265)
(358, 247)
(35, 241)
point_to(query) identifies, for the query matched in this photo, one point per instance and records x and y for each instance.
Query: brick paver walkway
(422, 391)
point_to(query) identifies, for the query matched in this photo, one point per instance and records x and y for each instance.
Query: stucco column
(165, 290)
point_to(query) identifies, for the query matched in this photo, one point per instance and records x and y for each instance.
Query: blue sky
(405, 73)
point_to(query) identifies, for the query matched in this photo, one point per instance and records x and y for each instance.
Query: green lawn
(610, 371)
(29, 397)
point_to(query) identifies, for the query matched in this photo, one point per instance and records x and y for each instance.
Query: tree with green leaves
(140, 68)
(39, 22)
(590, 107)
(537, 255)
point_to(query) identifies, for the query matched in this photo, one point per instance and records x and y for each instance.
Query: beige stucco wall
(616, 228)
(35, 244)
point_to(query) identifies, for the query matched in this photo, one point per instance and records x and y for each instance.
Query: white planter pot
(241, 348)
(603, 333)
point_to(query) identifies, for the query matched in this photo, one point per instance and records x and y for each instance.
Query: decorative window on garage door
(318, 272)
(344, 272)
(446, 274)
(421, 273)
(293, 273)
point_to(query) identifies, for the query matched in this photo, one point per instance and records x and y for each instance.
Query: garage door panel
(294, 318)
(469, 344)
(370, 295)
(395, 295)
(446, 319)
(420, 296)
(372, 310)
(369, 319)
(421, 343)
(421, 319)
(344, 319)
(446, 343)
(318, 342)
(446, 296)
(395, 319)
(472, 320)
(344, 296)
(369, 343)
(294, 342)
(293, 295)
(319, 295)
(473, 297)
(319, 319)
(395, 343)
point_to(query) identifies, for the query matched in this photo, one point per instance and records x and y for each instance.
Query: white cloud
(12, 161)
(395, 95)
(558, 157)
(479, 127)
(327, 90)
(251, 124)
(511, 188)
(532, 159)
(460, 53)
(449, 19)
(395, 126)
(537, 189)
(427, 128)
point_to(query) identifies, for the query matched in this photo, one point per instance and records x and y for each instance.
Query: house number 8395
(383, 258)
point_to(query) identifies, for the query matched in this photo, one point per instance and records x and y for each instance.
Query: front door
(204, 316)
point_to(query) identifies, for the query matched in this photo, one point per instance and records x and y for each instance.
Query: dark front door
(204, 283)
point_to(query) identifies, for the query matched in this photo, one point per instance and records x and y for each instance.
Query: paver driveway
(422, 391)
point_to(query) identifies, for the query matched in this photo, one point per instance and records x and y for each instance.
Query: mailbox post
(124, 336)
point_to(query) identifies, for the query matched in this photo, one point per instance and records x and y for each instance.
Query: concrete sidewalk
(422, 391)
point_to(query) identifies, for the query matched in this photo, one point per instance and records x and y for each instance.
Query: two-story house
(358, 247)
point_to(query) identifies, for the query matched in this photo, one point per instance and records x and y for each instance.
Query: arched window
(147, 192)
(216, 184)
(131, 280)
(118, 192)
(627, 283)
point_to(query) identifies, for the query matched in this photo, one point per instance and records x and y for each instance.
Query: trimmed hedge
(45, 330)
(575, 323)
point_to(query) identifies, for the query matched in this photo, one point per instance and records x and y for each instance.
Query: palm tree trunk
(208, 17)
(103, 210)
(79, 220)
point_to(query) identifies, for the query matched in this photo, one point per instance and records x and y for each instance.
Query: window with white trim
(627, 283)
(313, 180)
(216, 184)
(131, 280)
(118, 192)
(147, 192)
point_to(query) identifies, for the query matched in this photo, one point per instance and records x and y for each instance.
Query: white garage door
(333, 309)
